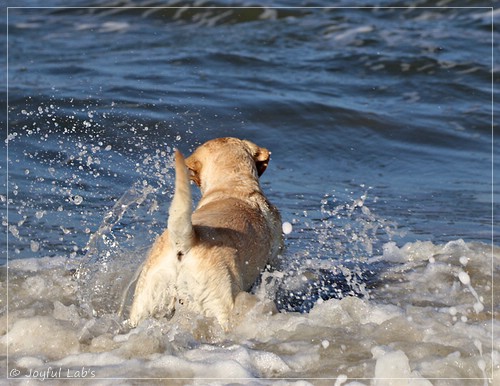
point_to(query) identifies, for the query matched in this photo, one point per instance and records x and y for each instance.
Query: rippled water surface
(379, 120)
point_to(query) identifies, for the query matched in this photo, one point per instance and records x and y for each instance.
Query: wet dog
(206, 258)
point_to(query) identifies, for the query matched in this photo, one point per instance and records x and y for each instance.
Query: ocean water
(379, 119)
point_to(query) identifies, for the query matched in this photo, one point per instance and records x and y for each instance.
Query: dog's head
(225, 159)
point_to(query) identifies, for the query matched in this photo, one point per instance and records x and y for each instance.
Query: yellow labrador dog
(207, 257)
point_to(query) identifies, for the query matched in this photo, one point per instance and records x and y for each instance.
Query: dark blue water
(394, 103)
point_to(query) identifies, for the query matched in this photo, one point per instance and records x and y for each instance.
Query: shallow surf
(425, 317)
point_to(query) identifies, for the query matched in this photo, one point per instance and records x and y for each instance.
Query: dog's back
(240, 228)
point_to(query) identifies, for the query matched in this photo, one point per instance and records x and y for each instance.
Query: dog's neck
(241, 185)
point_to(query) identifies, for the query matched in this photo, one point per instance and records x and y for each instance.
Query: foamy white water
(419, 326)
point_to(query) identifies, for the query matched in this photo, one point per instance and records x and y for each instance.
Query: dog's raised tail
(180, 227)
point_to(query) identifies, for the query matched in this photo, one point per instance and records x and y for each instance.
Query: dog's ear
(194, 167)
(260, 155)
(262, 160)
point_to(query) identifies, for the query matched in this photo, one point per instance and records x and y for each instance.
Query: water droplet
(35, 246)
(478, 307)
(464, 277)
(287, 228)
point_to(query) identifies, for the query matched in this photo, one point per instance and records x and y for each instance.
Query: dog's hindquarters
(155, 292)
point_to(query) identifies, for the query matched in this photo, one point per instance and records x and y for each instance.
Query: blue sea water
(379, 118)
